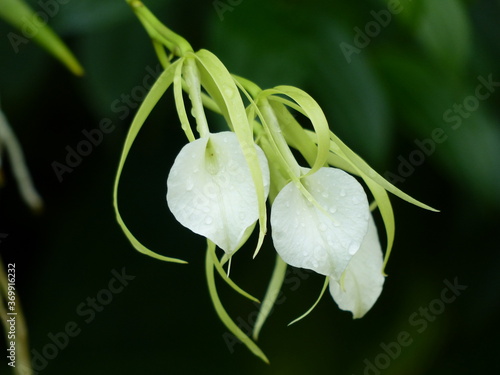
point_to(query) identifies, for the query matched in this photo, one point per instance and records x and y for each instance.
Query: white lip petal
(211, 191)
(363, 280)
(323, 240)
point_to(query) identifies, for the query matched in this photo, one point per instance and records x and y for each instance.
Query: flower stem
(158, 31)
(192, 79)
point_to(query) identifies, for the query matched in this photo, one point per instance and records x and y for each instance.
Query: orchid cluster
(218, 186)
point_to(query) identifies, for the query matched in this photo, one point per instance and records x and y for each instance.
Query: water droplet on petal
(209, 220)
(352, 248)
(322, 227)
(325, 194)
(342, 193)
(333, 210)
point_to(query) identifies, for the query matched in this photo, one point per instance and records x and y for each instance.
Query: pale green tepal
(220, 181)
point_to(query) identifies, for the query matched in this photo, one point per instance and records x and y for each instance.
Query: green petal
(365, 171)
(327, 280)
(221, 87)
(385, 207)
(272, 293)
(179, 102)
(225, 277)
(315, 114)
(158, 89)
(221, 312)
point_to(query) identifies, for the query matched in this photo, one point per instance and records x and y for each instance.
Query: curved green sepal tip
(224, 276)
(223, 315)
(156, 92)
(271, 295)
(325, 285)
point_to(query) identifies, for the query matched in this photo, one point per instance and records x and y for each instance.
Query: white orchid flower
(211, 191)
(323, 235)
(219, 183)
(362, 281)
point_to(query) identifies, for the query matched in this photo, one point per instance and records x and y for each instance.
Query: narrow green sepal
(325, 285)
(223, 315)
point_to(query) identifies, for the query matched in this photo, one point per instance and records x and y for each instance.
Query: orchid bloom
(210, 190)
(220, 181)
(336, 238)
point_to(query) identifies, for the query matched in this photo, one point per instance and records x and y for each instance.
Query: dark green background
(395, 91)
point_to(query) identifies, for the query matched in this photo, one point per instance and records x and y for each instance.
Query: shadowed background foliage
(386, 90)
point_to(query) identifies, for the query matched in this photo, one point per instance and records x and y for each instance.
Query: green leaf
(351, 94)
(158, 89)
(445, 32)
(17, 12)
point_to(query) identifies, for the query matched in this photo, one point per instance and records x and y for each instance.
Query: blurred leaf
(118, 63)
(351, 95)
(92, 15)
(444, 31)
(264, 42)
(21, 16)
(23, 73)
(425, 100)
